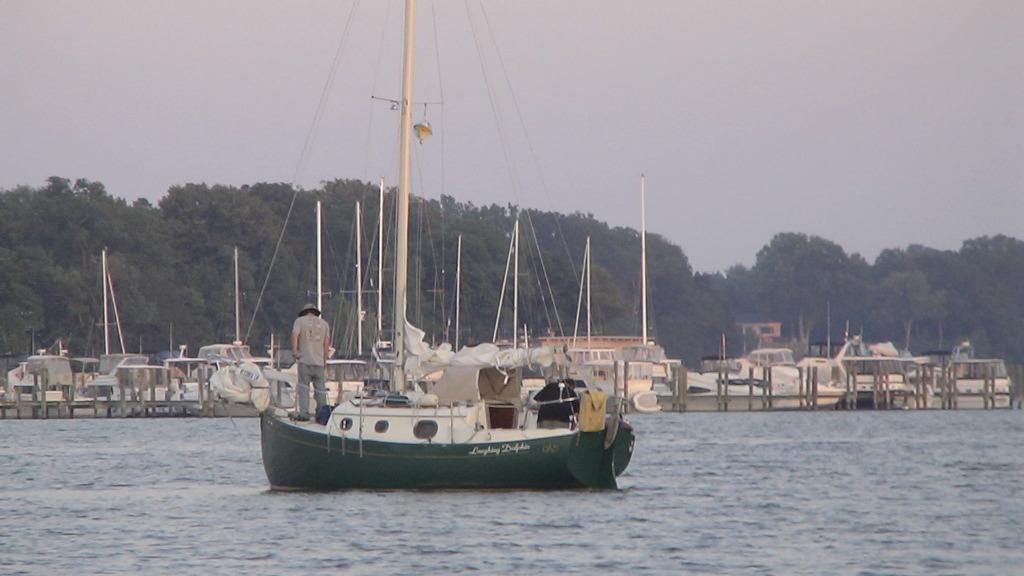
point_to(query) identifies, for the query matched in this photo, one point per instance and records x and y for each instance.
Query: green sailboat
(470, 429)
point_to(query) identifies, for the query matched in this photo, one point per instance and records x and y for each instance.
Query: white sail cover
(422, 359)
(884, 349)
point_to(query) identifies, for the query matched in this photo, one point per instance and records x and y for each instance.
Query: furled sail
(422, 359)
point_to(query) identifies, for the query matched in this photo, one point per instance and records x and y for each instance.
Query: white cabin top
(771, 357)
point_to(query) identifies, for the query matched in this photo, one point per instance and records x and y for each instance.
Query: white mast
(579, 298)
(643, 255)
(238, 305)
(359, 277)
(515, 291)
(589, 343)
(380, 264)
(106, 317)
(828, 327)
(319, 262)
(117, 316)
(504, 284)
(584, 285)
(402, 223)
(458, 291)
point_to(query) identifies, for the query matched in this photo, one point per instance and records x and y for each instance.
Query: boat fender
(611, 430)
(323, 415)
(260, 398)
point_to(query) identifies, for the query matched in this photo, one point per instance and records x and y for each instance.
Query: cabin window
(381, 426)
(345, 424)
(425, 429)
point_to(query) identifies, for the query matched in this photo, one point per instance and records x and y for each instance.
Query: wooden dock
(130, 402)
(934, 389)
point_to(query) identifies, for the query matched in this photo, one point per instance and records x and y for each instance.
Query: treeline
(171, 266)
(919, 298)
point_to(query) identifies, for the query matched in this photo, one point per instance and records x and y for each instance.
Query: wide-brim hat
(309, 307)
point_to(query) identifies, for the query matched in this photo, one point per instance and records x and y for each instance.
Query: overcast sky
(872, 123)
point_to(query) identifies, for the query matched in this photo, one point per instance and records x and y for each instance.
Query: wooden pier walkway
(130, 402)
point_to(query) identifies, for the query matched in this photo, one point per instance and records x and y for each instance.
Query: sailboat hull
(302, 457)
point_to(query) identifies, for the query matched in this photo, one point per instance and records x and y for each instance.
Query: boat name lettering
(513, 448)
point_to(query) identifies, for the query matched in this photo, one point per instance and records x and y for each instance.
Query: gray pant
(307, 374)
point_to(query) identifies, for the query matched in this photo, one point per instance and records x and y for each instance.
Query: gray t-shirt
(312, 331)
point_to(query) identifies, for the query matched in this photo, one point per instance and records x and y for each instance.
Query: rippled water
(783, 493)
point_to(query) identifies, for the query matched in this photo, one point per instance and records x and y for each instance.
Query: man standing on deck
(311, 342)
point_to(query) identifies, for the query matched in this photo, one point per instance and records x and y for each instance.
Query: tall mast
(402, 223)
(589, 343)
(380, 264)
(828, 326)
(117, 315)
(643, 255)
(106, 313)
(319, 261)
(458, 291)
(359, 278)
(579, 299)
(504, 283)
(515, 291)
(238, 304)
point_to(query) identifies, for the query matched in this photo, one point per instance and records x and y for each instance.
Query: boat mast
(504, 283)
(458, 290)
(579, 298)
(643, 255)
(380, 264)
(359, 278)
(106, 314)
(402, 223)
(589, 343)
(828, 327)
(238, 305)
(515, 290)
(319, 262)
(117, 315)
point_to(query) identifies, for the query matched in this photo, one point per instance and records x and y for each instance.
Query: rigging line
(544, 269)
(419, 262)
(342, 282)
(304, 157)
(503, 138)
(438, 286)
(325, 93)
(531, 262)
(499, 125)
(526, 135)
(376, 79)
(440, 88)
(424, 220)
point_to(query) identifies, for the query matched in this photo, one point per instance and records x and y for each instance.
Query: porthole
(345, 424)
(425, 429)
(381, 426)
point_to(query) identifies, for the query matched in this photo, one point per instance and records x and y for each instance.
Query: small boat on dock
(979, 382)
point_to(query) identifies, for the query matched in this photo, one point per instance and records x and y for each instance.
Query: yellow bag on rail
(592, 409)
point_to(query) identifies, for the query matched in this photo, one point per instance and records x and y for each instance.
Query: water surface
(783, 493)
